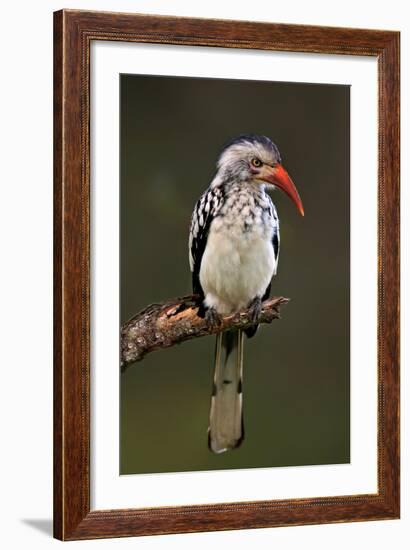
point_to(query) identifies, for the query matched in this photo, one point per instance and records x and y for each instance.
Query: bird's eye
(256, 162)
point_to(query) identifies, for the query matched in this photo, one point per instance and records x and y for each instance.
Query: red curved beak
(277, 176)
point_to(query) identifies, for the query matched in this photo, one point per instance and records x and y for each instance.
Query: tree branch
(172, 322)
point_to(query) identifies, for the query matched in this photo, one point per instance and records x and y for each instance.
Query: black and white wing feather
(206, 209)
(276, 234)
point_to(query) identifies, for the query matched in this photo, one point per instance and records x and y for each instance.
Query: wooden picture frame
(74, 32)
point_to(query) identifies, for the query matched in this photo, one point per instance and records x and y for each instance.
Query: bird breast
(239, 260)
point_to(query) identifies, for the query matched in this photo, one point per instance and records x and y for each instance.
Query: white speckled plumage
(239, 260)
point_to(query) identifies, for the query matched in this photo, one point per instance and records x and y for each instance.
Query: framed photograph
(226, 275)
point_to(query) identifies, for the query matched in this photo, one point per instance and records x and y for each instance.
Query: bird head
(255, 160)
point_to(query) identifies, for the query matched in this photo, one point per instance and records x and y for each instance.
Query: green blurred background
(296, 373)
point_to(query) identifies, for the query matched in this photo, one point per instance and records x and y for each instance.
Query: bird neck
(230, 184)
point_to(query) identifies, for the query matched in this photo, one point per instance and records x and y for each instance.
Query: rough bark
(172, 322)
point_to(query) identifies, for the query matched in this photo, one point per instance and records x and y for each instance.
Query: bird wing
(251, 331)
(206, 209)
(275, 236)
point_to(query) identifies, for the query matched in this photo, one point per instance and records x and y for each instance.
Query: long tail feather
(225, 419)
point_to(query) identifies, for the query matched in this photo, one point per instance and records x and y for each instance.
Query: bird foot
(255, 308)
(212, 317)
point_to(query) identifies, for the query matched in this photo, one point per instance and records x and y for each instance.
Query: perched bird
(233, 254)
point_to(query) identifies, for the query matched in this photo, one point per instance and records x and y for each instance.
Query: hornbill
(233, 254)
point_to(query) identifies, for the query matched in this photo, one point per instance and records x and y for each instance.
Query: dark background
(296, 373)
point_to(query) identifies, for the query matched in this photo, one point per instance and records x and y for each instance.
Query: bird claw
(255, 308)
(212, 317)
